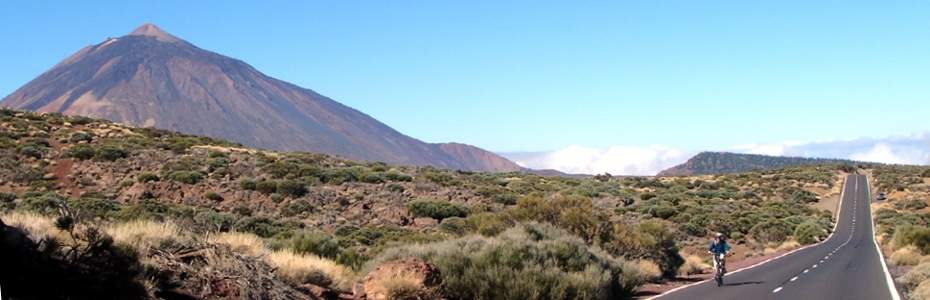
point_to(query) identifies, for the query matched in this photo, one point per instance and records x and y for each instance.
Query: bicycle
(720, 263)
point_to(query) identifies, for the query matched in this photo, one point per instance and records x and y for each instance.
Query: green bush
(262, 226)
(146, 177)
(291, 188)
(912, 235)
(86, 209)
(247, 184)
(315, 242)
(215, 221)
(296, 208)
(770, 231)
(188, 177)
(505, 198)
(526, 262)
(7, 197)
(436, 209)
(654, 240)
(398, 176)
(82, 152)
(809, 232)
(211, 195)
(45, 204)
(81, 136)
(267, 186)
(111, 153)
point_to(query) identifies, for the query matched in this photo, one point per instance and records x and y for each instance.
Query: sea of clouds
(649, 160)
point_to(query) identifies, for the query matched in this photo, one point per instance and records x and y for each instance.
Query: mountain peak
(150, 30)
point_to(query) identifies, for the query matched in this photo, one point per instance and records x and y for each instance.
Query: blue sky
(540, 76)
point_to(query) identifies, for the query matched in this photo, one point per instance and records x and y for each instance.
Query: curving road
(845, 266)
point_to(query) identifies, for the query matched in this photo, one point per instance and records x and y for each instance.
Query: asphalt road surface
(845, 266)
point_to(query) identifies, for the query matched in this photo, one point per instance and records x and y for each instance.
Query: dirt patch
(62, 170)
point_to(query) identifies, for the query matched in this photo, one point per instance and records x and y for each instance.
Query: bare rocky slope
(151, 78)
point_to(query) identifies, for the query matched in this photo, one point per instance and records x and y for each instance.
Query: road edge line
(891, 288)
(835, 226)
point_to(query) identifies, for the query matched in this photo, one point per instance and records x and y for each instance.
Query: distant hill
(726, 162)
(150, 78)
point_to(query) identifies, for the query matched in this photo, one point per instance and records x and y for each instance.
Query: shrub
(649, 270)
(111, 153)
(82, 152)
(397, 176)
(247, 184)
(533, 261)
(316, 243)
(91, 208)
(291, 188)
(81, 136)
(215, 221)
(267, 186)
(919, 237)
(395, 188)
(46, 204)
(436, 209)
(211, 195)
(487, 224)
(188, 177)
(913, 278)
(146, 177)
(373, 177)
(149, 209)
(31, 150)
(907, 256)
(6, 197)
(296, 208)
(261, 226)
(809, 232)
(770, 231)
(504, 198)
(694, 265)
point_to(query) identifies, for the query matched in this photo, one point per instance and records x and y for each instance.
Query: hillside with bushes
(726, 162)
(903, 226)
(166, 215)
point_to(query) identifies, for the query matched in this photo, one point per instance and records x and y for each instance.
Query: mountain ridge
(712, 163)
(151, 78)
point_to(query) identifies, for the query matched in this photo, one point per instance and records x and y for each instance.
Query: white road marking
(806, 270)
(776, 290)
(815, 266)
(794, 278)
(836, 225)
(881, 257)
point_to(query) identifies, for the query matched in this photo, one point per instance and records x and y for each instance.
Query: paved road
(845, 266)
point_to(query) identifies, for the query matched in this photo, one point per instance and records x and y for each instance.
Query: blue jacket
(719, 248)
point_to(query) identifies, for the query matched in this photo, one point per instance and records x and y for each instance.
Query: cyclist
(719, 248)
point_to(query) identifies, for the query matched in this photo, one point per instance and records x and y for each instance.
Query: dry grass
(922, 292)
(245, 243)
(694, 265)
(301, 268)
(788, 246)
(36, 226)
(144, 235)
(907, 256)
(649, 270)
(402, 287)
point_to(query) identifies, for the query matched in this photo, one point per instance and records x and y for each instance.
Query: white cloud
(626, 160)
(649, 160)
